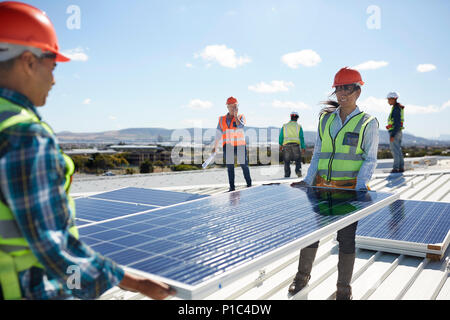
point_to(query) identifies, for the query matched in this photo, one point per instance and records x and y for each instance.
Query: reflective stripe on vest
(339, 161)
(15, 253)
(291, 132)
(390, 125)
(232, 134)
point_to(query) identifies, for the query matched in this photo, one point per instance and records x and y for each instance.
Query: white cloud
(113, 118)
(307, 58)
(196, 123)
(371, 65)
(189, 65)
(414, 109)
(426, 67)
(225, 56)
(274, 86)
(87, 101)
(292, 105)
(76, 54)
(372, 104)
(198, 104)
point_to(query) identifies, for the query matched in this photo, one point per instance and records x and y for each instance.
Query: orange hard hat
(26, 25)
(347, 76)
(232, 100)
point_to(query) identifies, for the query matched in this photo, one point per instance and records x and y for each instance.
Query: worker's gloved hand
(299, 184)
(148, 287)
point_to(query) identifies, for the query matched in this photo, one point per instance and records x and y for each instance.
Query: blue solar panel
(92, 210)
(408, 221)
(126, 201)
(195, 241)
(148, 196)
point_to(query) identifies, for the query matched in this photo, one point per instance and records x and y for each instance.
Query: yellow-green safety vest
(341, 157)
(291, 131)
(390, 125)
(15, 253)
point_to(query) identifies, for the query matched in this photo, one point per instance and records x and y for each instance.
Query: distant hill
(155, 135)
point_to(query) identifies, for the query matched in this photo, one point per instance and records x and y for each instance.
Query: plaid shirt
(32, 176)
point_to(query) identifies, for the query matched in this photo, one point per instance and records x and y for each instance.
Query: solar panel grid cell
(409, 221)
(99, 210)
(148, 196)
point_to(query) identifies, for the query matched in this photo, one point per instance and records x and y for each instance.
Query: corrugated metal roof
(377, 274)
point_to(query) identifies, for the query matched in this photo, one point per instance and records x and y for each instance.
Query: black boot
(345, 272)
(306, 260)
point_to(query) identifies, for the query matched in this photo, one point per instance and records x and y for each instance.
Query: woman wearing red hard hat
(345, 156)
(39, 245)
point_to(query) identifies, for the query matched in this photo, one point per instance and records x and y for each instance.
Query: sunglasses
(347, 88)
(48, 55)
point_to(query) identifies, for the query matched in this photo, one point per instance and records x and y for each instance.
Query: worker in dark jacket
(396, 121)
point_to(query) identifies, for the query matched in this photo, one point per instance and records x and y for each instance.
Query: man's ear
(358, 93)
(27, 62)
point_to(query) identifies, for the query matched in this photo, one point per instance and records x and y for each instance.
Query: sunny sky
(173, 64)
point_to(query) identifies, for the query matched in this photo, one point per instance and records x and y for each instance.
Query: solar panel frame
(246, 266)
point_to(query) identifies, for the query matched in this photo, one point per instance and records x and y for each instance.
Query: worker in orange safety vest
(230, 131)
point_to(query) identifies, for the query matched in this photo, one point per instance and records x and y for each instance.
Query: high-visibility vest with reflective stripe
(339, 161)
(232, 134)
(15, 253)
(390, 125)
(291, 132)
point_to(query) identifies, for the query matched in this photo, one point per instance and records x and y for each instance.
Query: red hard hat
(347, 76)
(26, 25)
(231, 100)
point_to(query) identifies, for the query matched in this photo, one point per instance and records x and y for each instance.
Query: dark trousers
(291, 152)
(240, 152)
(346, 239)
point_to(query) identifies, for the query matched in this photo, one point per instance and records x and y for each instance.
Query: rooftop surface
(377, 275)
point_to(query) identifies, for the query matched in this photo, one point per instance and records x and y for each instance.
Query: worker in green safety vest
(292, 144)
(345, 156)
(41, 255)
(395, 127)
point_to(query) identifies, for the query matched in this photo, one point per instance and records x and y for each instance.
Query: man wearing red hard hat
(39, 242)
(231, 133)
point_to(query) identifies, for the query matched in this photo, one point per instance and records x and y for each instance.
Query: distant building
(141, 153)
(88, 152)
